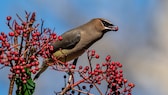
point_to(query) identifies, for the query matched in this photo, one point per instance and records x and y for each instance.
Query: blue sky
(135, 19)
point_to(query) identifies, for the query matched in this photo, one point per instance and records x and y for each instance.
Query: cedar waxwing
(77, 40)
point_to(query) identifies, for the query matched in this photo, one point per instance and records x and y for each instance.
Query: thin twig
(89, 59)
(11, 85)
(82, 91)
(98, 89)
(19, 18)
(67, 86)
(42, 23)
(2, 67)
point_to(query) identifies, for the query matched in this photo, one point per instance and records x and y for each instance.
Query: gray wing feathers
(70, 39)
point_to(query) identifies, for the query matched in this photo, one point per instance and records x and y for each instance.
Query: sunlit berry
(24, 81)
(97, 66)
(8, 18)
(11, 33)
(37, 68)
(73, 67)
(108, 58)
(60, 38)
(93, 52)
(131, 85)
(125, 80)
(15, 58)
(17, 71)
(23, 71)
(97, 56)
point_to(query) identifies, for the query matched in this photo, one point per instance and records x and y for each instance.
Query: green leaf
(30, 84)
(25, 88)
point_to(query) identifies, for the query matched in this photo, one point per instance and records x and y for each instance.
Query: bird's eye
(106, 24)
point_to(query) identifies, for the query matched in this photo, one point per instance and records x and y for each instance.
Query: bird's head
(104, 25)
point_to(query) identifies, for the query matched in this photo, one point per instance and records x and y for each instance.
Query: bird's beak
(112, 28)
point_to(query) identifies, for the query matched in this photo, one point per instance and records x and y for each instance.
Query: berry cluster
(109, 71)
(22, 48)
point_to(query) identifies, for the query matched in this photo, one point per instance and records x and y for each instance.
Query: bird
(77, 40)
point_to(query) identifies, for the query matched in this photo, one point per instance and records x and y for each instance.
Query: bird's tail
(43, 68)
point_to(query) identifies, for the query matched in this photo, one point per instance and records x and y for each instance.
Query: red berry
(125, 80)
(92, 52)
(32, 57)
(99, 82)
(24, 23)
(5, 36)
(114, 68)
(97, 66)
(54, 36)
(23, 78)
(104, 64)
(131, 85)
(21, 59)
(28, 65)
(11, 33)
(100, 71)
(121, 71)
(8, 18)
(24, 81)
(15, 58)
(15, 53)
(113, 84)
(80, 67)
(1, 38)
(108, 58)
(7, 44)
(17, 72)
(113, 63)
(20, 27)
(23, 63)
(97, 56)
(18, 32)
(33, 34)
(34, 71)
(17, 67)
(120, 65)
(121, 75)
(37, 68)
(36, 63)
(21, 67)
(129, 94)
(14, 67)
(73, 67)
(38, 33)
(25, 35)
(23, 71)
(32, 63)
(87, 67)
(60, 38)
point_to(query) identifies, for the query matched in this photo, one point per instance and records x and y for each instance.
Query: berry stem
(11, 86)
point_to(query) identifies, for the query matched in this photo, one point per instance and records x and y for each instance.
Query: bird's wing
(70, 39)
